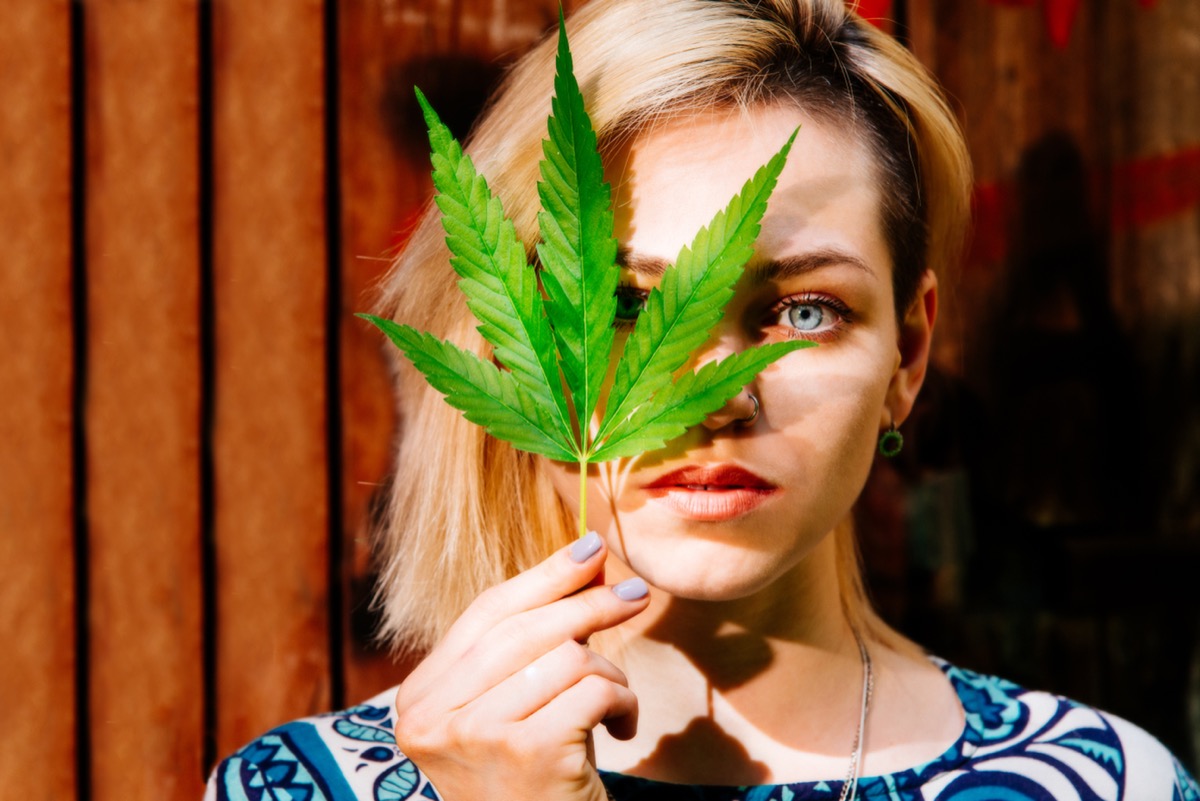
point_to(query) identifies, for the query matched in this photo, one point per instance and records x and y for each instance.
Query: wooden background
(196, 196)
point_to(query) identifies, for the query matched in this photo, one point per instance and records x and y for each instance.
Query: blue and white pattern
(1017, 745)
(336, 757)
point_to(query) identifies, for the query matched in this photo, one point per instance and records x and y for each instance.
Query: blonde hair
(467, 511)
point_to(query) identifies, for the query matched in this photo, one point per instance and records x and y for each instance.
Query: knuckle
(475, 735)
(463, 731)
(577, 657)
(491, 652)
(592, 607)
(527, 753)
(560, 575)
(598, 686)
(413, 737)
(490, 601)
(509, 630)
(404, 699)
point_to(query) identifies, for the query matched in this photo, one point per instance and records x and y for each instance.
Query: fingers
(588, 703)
(521, 640)
(563, 573)
(530, 689)
(469, 755)
(511, 683)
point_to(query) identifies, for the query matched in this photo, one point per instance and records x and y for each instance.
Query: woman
(711, 637)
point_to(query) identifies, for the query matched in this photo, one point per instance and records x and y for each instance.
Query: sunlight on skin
(744, 605)
(827, 404)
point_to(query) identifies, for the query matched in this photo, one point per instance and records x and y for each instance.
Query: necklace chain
(850, 787)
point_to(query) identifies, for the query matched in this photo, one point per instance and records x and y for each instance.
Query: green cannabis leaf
(567, 336)
(578, 247)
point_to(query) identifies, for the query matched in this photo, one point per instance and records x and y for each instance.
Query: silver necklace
(850, 787)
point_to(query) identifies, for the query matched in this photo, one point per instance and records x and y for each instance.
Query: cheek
(830, 411)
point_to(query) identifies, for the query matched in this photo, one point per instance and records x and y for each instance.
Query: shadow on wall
(1020, 530)
(457, 86)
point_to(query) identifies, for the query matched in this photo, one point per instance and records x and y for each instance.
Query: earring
(890, 442)
(750, 418)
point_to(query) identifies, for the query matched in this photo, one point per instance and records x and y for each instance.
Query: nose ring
(750, 418)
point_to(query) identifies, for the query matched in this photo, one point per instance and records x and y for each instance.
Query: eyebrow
(776, 270)
(649, 266)
(792, 266)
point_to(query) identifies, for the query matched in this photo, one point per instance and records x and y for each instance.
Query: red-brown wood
(1152, 112)
(384, 170)
(37, 562)
(382, 185)
(1121, 79)
(143, 400)
(1077, 309)
(269, 441)
(1011, 85)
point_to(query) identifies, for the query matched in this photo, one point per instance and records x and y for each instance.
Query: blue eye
(806, 316)
(809, 315)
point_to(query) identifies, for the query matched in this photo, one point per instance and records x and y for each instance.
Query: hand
(503, 708)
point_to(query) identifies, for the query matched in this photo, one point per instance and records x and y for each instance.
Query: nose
(742, 408)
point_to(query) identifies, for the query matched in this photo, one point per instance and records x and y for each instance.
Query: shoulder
(338, 756)
(1054, 747)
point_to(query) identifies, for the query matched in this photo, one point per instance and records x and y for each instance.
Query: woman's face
(726, 509)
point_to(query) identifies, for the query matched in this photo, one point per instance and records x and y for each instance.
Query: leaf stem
(583, 497)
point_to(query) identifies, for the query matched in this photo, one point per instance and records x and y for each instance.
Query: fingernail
(633, 589)
(585, 547)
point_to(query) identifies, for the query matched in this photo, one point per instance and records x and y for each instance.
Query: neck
(720, 680)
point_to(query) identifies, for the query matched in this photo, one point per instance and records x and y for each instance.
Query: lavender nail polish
(633, 589)
(585, 547)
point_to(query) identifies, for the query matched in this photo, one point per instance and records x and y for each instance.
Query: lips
(715, 478)
(716, 493)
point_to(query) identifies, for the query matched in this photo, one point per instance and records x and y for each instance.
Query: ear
(914, 343)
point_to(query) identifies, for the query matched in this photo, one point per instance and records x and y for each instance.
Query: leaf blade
(691, 298)
(500, 286)
(578, 249)
(686, 401)
(485, 394)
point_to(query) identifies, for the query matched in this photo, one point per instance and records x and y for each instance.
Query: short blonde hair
(467, 511)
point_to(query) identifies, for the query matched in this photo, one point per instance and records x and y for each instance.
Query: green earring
(890, 442)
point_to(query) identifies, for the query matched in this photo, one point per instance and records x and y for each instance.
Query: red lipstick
(719, 492)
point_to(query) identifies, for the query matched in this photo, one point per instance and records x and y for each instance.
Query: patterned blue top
(1017, 745)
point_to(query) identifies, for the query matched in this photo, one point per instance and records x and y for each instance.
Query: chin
(706, 570)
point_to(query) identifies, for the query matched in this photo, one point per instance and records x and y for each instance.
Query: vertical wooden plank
(269, 439)
(143, 400)
(1154, 108)
(1012, 86)
(502, 31)
(1084, 122)
(37, 682)
(922, 32)
(382, 186)
(384, 49)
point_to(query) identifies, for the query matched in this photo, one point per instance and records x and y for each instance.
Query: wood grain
(1152, 113)
(384, 167)
(37, 599)
(1085, 135)
(382, 184)
(143, 400)
(269, 441)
